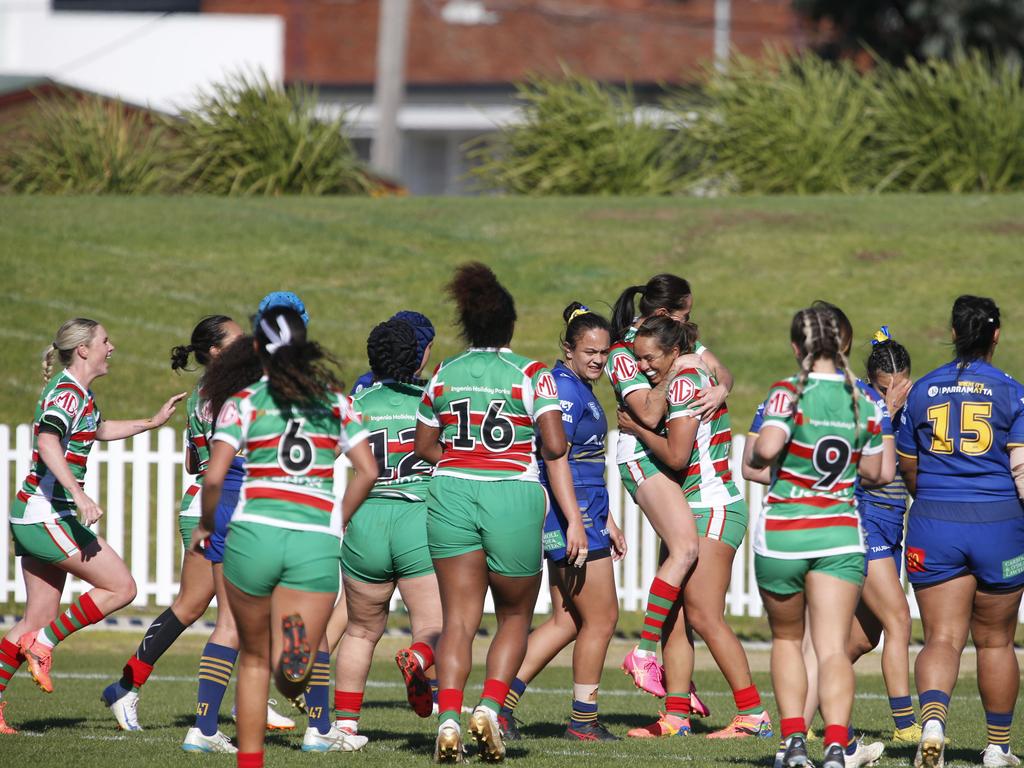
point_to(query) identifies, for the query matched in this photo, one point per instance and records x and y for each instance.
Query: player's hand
(689, 360)
(896, 396)
(199, 537)
(710, 400)
(88, 509)
(618, 541)
(162, 416)
(576, 544)
(627, 423)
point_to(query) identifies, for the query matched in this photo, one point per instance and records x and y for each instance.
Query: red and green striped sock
(347, 705)
(659, 602)
(11, 658)
(81, 613)
(678, 704)
(494, 694)
(449, 704)
(748, 701)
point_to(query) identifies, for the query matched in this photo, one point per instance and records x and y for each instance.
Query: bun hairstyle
(578, 320)
(299, 370)
(664, 291)
(668, 333)
(887, 355)
(817, 333)
(235, 368)
(486, 310)
(209, 332)
(975, 320)
(69, 336)
(393, 351)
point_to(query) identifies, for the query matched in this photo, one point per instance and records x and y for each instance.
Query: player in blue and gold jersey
(961, 448)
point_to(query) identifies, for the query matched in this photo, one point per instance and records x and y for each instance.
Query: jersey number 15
(975, 431)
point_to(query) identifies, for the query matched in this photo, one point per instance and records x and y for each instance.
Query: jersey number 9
(831, 457)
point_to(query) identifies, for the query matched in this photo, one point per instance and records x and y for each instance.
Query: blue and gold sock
(318, 693)
(215, 668)
(998, 725)
(583, 713)
(902, 711)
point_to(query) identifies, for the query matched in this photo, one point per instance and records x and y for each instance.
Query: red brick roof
(333, 42)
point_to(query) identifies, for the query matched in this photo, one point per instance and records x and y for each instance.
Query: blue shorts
(214, 551)
(883, 534)
(593, 502)
(940, 549)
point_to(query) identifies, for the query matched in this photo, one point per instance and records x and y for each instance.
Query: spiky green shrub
(579, 137)
(781, 124)
(950, 125)
(72, 144)
(247, 136)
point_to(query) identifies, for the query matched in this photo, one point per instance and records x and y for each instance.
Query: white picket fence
(139, 483)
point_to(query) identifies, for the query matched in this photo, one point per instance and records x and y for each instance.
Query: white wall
(144, 58)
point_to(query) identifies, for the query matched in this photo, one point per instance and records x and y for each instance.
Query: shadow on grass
(50, 723)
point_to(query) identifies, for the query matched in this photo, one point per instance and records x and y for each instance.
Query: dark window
(140, 6)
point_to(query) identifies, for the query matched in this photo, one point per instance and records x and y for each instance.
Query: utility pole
(389, 87)
(723, 22)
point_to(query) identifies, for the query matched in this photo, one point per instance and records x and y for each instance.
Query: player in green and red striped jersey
(652, 485)
(281, 554)
(820, 432)
(385, 543)
(478, 421)
(47, 536)
(210, 335)
(699, 451)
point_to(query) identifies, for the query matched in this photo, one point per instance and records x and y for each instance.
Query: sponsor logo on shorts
(1013, 567)
(881, 548)
(915, 560)
(553, 540)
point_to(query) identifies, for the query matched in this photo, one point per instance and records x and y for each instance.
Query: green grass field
(150, 267)
(71, 727)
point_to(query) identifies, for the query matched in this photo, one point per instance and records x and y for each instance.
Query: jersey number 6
(295, 452)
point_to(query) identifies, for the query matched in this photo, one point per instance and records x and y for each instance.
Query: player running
(281, 557)
(47, 534)
(584, 606)
(820, 431)
(385, 542)
(653, 486)
(697, 452)
(961, 447)
(478, 421)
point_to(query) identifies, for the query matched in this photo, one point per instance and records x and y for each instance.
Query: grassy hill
(148, 268)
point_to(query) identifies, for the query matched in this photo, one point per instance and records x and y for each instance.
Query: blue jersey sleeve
(755, 425)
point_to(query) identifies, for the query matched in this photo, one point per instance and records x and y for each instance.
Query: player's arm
(711, 398)
(120, 429)
(770, 443)
(875, 477)
(222, 453)
(554, 449)
(51, 452)
(1017, 468)
(427, 443)
(673, 450)
(649, 406)
(762, 475)
(364, 466)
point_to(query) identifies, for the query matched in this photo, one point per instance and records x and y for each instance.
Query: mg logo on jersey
(681, 391)
(67, 401)
(624, 368)
(780, 403)
(228, 414)
(546, 386)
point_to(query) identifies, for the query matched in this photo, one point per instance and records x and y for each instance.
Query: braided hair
(393, 352)
(888, 356)
(817, 333)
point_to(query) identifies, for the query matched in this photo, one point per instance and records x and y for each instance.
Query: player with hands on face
(584, 606)
(48, 536)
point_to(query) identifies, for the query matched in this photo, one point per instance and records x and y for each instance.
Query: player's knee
(704, 621)
(126, 592)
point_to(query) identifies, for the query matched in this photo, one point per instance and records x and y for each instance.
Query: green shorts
(728, 524)
(259, 557)
(786, 577)
(185, 527)
(386, 540)
(504, 518)
(633, 473)
(53, 541)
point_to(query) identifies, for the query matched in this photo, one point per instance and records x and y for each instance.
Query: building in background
(463, 56)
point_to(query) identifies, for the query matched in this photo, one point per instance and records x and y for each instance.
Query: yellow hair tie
(882, 335)
(576, 313)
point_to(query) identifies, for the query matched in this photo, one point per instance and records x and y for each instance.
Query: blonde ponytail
(70, 335)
